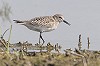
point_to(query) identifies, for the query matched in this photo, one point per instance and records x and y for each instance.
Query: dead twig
(88, 42)
(80, 43)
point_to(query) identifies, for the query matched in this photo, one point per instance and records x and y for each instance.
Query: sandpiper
(43, 23)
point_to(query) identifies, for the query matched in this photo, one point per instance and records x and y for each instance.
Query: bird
(43, 24)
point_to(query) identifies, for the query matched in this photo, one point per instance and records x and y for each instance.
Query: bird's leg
(42, 43)
(42, 37)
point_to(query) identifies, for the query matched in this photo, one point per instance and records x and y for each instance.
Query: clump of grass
(4, 42)
(5, 12)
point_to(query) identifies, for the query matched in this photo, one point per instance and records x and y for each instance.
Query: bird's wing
(46, 21)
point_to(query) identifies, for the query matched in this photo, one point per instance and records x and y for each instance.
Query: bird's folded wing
(42, 21)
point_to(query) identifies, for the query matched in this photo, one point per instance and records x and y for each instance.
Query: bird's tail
(19, 22)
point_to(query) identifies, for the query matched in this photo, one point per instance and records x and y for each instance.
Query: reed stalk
(8, 43)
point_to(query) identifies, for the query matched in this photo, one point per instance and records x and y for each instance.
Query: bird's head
(60, 18)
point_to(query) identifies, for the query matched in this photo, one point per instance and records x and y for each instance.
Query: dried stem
(88, 42)
(80, 43)
(9, 39)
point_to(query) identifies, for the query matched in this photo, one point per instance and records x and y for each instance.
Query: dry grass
(47, 60)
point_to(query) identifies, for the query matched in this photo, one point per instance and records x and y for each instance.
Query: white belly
(41, 29)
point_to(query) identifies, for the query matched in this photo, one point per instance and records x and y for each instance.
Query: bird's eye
(60, 17)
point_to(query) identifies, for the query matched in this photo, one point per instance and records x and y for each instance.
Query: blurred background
(84, 16)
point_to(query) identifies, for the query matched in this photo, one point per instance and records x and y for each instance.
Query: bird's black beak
(66, 22)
